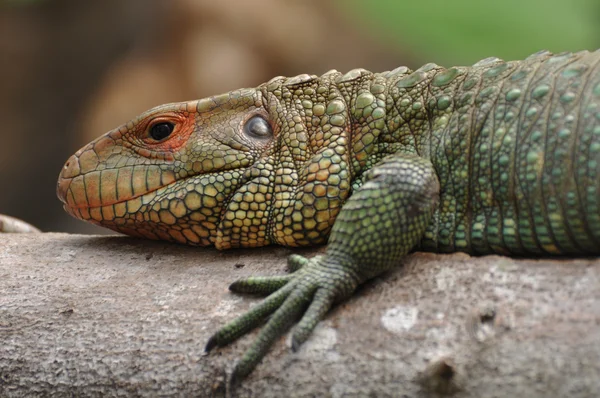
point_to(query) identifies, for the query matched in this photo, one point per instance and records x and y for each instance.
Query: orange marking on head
(184, 125)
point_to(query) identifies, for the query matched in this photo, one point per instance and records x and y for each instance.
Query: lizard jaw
(188, 210)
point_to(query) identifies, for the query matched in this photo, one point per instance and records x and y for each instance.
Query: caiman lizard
(499, 157)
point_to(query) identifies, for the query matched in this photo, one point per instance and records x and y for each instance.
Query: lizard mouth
(113, 211)
(149, 201)
(109, 187)
(67, 196)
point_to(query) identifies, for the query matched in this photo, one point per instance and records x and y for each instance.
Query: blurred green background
(464, 31)
(71, 69)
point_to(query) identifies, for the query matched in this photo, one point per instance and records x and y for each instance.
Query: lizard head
(246, 168)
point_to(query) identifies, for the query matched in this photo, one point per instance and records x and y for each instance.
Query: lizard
(494, 158)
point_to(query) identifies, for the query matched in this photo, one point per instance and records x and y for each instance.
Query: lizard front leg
(380, 223)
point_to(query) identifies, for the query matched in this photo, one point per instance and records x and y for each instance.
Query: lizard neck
(397, 111)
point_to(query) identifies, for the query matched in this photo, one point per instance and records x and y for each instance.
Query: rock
(117, 316)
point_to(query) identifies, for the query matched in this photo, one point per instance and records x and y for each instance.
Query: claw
(210, 344)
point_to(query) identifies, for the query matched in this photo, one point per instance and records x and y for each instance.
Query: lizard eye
(258, 127)
(161, 130)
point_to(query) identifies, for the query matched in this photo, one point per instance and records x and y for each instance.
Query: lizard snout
(69, 170)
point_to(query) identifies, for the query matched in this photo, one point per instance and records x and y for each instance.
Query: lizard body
(500, 157)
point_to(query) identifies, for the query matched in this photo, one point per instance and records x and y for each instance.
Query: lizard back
(516, 147)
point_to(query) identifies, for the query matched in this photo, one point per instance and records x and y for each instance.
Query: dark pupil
(160, 131)
(258, 127)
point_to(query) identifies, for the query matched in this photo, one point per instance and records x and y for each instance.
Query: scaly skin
(500, 157)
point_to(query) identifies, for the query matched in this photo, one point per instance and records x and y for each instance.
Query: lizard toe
(320, 305)
(280, 321)
(248, 321)
(262, 285)
(296, 261)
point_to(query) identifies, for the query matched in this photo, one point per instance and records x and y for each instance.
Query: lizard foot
(308, 293)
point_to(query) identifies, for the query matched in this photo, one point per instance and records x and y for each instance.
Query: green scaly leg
(381, 222)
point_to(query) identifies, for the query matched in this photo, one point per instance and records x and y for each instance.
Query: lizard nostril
(71, 168)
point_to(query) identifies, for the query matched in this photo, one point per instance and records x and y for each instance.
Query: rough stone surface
(116, 316)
